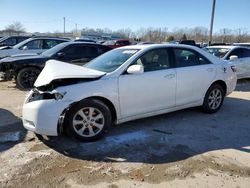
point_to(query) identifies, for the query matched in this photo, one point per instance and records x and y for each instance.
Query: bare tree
(15, 28)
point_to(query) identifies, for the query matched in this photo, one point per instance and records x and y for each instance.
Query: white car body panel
(243, 67)
(147, 92)
(187, 91)
(133, 96)
(242, 64)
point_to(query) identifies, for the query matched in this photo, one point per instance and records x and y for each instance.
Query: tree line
(199, 34)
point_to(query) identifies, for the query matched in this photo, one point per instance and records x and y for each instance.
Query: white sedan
(125, 84)
(238, 55)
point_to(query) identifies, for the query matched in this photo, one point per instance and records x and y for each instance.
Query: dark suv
(25, 69)
(12, 40)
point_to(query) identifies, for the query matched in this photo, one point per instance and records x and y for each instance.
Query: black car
(12, 40)
(26, 68)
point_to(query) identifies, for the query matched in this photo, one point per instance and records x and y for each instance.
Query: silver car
(32, 46)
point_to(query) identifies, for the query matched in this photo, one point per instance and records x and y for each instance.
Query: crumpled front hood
(59, 70)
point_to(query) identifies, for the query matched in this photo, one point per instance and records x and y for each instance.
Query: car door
(150, 91)
(194, 75)
(242, 62)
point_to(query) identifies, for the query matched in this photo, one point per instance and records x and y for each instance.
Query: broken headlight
(37, 95)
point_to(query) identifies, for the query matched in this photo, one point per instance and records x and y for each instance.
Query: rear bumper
(231, 84)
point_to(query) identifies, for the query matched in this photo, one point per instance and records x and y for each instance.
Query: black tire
(81, 114)
(26, 77)
(213, 99)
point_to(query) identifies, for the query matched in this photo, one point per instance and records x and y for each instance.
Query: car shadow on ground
(166, 138)
(243, 85)
(11, 130)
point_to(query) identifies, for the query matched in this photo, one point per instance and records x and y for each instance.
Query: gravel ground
(182, 149)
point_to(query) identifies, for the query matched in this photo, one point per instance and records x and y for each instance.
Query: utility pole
(63, 26)
(211, 24)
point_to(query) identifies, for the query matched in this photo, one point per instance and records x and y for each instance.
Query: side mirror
(60, 54)
(135, 69)
(233, 57)
(25, 48)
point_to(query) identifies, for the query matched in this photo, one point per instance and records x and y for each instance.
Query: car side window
(185, 58)
(74, 52)
(10, 41)
(246, 52)
(32, 45)
(50, 43)
(91, 52)
(154, 60)
(103, 49)
(237, 52)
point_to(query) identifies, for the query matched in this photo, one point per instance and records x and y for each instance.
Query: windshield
(111, 60)
(219, 52)
(52, 51)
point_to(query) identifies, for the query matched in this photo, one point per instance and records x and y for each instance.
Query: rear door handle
(169, 76)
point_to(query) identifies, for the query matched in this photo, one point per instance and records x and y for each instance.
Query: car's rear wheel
(213, 99)
(26, 77)
(87, 120)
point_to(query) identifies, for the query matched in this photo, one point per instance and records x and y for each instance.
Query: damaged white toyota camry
(125, 84)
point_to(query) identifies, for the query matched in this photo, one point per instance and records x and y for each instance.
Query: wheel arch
(110, 105)
(222, 84)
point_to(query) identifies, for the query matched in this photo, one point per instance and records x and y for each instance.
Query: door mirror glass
(233, 57)
(135, 69)
(25, 48)
(60, 54)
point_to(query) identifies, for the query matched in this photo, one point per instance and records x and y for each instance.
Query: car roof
(145, 46)
(228, 47)
(82, 42)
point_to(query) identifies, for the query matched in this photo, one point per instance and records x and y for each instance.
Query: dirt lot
(182, 149)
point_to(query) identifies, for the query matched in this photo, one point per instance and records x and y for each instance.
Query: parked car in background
(25, 69)
(188, 42)
(246, 44)
(84, 40)
(117, 43)
(147, 42)
(12, 40)
(124, 84)
(238, 55)
(32, 46)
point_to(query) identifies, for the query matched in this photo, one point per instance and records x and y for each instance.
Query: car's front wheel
(87, 120)
(213, 99)
(26, 77)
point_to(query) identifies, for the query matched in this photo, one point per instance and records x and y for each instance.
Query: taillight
(233, 67)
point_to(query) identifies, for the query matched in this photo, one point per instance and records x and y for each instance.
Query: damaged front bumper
(42, 115)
